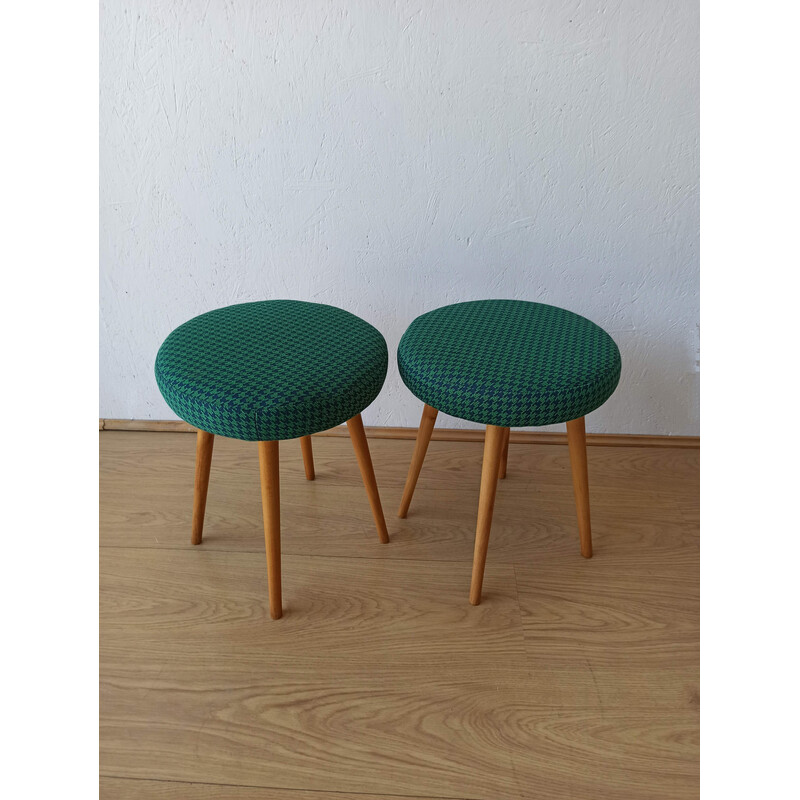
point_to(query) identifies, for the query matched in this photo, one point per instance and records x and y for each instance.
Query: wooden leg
(271, 507)
(359, 439)
(429, 414)
(504, 457)
(202, 470)
(308, 457)
(492, 453)
(576, 438)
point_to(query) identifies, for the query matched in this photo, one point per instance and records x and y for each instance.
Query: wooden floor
(573, 679)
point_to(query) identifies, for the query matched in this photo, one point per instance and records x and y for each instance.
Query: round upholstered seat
(275, 369)
(509, 363)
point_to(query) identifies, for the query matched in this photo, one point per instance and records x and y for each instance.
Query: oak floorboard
(143, 789)
(146, 491)
(335, 521)
(611, 615)
(447, 738)
(447, 464)
(574, 678)
(175, 602)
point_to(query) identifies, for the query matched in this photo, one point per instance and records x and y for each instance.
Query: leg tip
(276, 614)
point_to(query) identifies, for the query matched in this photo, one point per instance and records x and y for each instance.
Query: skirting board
(439, 434)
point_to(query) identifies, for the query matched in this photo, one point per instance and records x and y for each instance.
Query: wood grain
(146, 485)
(455, 739)
(443, 434)
(332, 607)
(611, 614)
(447, 464)
(573, 678)
(138, 789)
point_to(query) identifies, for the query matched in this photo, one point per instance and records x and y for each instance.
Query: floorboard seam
(284, 788)
(284, 553)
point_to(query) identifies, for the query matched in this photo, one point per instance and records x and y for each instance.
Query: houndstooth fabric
(276, 369)
(509, 362)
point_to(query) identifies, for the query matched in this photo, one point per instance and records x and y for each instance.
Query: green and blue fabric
(510, 363)
(269, 370)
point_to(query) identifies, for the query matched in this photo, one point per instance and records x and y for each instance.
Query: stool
(267, 371)
(504, 364)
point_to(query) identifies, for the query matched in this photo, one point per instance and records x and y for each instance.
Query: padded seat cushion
(509, 362)
(275, 369)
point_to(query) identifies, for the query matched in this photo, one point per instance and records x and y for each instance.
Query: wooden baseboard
(439, 434)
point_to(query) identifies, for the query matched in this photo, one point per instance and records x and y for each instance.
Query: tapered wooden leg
(359, 439)
(308, 457)
(429, 414)
(576, 438)
(492, 453)
(504, 457)
(271, 507)
(202, 470)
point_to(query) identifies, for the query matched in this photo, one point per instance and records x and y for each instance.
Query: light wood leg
(576, 438)
(271, 507)
(429, 414)
(504, 457)
(359, 439)
(202, 470)
(308, 457)
(492, 453)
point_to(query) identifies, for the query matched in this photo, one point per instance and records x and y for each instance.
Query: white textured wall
(391, 157)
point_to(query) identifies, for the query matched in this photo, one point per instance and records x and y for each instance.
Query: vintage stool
(505, 364)
(272, 370)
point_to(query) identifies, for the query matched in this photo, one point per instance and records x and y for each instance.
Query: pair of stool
(285, 369)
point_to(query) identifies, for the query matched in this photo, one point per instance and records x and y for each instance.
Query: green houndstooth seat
(509, 363)
(276, 369)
